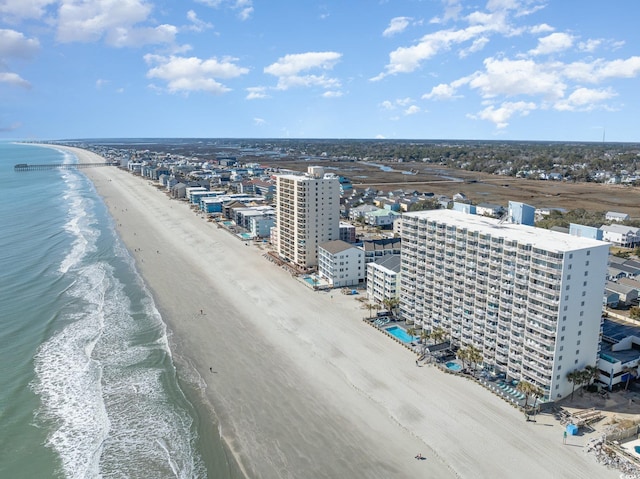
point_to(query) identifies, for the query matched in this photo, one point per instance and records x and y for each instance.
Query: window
(570, 255)
(586, 263)
(559, 359)
(563, 328)
(584, 284)
(561, 348)
(580, 323)
(566, 297)
(564, 318)
(581, 304)
(567, 288)
(586, 273)
(577, 352)
(580, 333)
(578, 343)
(558, 377)
(581, 313)
(568, 277)
(575, 362)
(588, 253)
(561, 338)
(559, 367)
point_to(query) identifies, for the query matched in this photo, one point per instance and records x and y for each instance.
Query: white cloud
(15, 45)
(477, 45)
(90, 21)
(197, 25)
(24, 9)
(452, 9)
(136, 37)
(13, 79)
(556, 42)
(243, 7)
(100, 83)
(481, 25)
(396, 25)
(256, 93)
(387, 105)
(288, 69)
(600, 70)
(542, 28)
(259, 121)
(332, 94)
(115, 21)
(584, 99)
(441, 92)
(590, 45)
(193, 74)
(500, 116)
(517, 77)
(412, 110)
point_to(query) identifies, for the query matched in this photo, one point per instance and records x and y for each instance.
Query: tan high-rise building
(308, 213)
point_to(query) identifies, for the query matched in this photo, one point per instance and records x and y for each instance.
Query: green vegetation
(428, 204)
(579, 216)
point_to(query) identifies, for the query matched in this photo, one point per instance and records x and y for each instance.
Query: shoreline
(302, 386)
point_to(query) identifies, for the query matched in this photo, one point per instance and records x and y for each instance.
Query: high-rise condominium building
(308, 213)
(529, 299)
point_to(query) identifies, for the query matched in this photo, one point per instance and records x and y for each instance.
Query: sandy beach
(301, 386)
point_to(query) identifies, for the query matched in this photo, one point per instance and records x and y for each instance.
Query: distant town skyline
(403, 69)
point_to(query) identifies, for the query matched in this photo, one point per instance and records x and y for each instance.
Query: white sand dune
(303, 388)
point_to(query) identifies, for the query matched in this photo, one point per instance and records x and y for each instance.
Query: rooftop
(536, 237)
(336, 246)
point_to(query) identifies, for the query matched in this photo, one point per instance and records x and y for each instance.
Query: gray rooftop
(336, 246)
(391, 262)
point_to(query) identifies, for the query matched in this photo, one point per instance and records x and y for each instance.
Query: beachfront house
(529, 299)
(619, 355)
(377, 249)
(627, 294)
(621, 235)
(615, 216)
(341, 263)
(383, 279)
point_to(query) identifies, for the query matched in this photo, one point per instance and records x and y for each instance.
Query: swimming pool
(452, 366)
(311, 281)
(245, 236)
(401, 334)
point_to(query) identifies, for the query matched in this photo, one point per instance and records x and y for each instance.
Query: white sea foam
(79, 223)
(106, 381)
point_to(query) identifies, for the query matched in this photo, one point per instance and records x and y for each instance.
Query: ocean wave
(106, 380)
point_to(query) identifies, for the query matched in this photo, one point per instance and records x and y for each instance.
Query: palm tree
(590, 374)
(629, 372)
(438, 335)
(575, 378)
(424, 337)
(537, 393)
(463, 355)
(411, 331)
(391, 304)
(529, 389)
(474, 355)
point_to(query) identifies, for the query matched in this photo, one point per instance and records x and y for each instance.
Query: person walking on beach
(564, 438)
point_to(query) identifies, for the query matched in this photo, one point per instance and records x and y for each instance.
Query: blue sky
(451, 69)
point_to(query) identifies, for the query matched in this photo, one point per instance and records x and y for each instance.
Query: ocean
(88, 384)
